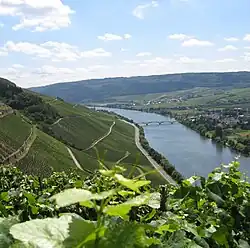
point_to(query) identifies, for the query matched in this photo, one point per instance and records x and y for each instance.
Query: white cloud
(246, 56)
(231, 39)
(124, 49)
(227, 60)
(187, 60)
(1, 25)
(127, 36)
(158, 61)
(17, 66)
(98, 52)
(27, 48)
(179, 37)
(62, 51)
(131, 61)
(247, 47)
(55, 51)
(110, 37)
(196, 42)
(227, 48)
(95, 68)
(143, 54)
(247, 37)
(140, 10)
(3, 52)
(51, 70)
(37, 15)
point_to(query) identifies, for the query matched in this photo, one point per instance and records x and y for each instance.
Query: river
(187, 150)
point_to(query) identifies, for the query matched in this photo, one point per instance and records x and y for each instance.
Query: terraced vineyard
(13, 133)
(81, 131)
(80, 127)
(52, 135)
(45, 155)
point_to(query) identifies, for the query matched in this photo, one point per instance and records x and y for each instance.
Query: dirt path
(149, 158)
(23, 150)
(56, 122)
(124, 157)
(102, 138)
(74, 159)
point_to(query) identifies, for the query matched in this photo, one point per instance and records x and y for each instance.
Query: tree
(219, 131)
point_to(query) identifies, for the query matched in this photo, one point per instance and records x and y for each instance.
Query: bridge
(146, 123)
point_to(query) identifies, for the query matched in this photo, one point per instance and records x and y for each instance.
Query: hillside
(40, 135)
(101, 89)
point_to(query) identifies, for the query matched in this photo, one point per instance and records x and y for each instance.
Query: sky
(49, 41)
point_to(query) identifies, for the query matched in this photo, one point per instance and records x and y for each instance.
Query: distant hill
(100, 89)
(40, 134)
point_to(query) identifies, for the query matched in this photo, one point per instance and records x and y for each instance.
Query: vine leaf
(72, 196)
(131, 184)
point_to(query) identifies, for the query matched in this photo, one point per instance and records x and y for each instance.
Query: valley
(46, 134)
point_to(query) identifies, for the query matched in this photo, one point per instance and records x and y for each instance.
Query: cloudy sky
(49, 41)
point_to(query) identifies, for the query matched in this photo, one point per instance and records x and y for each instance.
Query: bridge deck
(157, 122)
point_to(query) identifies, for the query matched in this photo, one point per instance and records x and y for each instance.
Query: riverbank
(158, 167)
(239, 144)
(186, 149)
(157, 160)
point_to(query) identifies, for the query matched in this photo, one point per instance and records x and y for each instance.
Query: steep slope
(95, 136)
(13, 133)
(45, 134)
(100, 89)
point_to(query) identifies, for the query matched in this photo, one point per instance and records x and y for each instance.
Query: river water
(187, 150)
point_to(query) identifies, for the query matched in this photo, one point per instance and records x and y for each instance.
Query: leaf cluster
(111, 210)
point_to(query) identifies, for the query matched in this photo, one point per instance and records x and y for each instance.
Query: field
(206, 97)
(210, 97)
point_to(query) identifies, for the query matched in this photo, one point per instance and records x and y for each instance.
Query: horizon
(56, 41)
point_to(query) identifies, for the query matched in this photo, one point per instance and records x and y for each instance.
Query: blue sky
(49, 41)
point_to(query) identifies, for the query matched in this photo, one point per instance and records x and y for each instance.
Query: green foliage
(31, 104)
(108, 210)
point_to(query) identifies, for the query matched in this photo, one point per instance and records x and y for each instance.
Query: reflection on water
(187, 150)
(219, 148)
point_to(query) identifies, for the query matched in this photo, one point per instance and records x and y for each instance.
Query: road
(74, 159)
(149, 158)
(102, 138)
